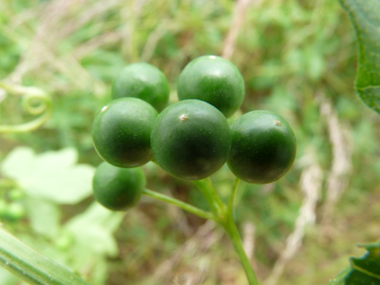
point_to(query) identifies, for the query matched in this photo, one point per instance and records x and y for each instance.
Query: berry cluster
(190, 139)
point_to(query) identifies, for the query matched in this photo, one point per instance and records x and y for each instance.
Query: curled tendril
(34, 102)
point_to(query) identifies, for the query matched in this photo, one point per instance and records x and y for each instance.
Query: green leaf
(366, 270)
(18, 163)
(339, 280)
(32, 267)
(44, 216)
(364, 16)
(362, 271)
(93, 229)
(52, 176)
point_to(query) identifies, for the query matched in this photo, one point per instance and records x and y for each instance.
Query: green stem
(230, 207)
(27, 127)
(30, 95)
(214, 194)
(233, 234)
(31, 266)
(225, 218)
(216, 205)
(178, 203)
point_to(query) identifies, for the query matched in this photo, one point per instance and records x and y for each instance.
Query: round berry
(215, 80)
(121, 132)
(263, 147)
(143, 81)
(191, 139)
(15, 211)
(116, 188)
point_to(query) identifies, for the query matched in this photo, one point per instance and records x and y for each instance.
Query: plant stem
(233, 234)
(30, 94)
(220, 213)
(216, 205)
(230, 207)
(178, 203)
(31, 266)
(214, 194)
(27, 127)
(224, 217)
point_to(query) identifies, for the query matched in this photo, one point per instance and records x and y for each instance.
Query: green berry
(116, 188)
(64, 241)
(191, 139)
(263, 147)
(121, 132)
(215, 80)
(15, 211)
(144, 81)
(16, 195)
(3, 208)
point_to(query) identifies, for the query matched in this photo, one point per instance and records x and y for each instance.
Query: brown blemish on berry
(278, 123)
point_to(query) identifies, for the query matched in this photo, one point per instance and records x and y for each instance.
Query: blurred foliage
(292, 54)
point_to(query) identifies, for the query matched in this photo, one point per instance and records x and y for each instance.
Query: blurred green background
(298, 58)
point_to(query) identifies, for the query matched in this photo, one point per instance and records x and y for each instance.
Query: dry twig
(237, 22)
(249, 239)
(338, 177)
(194, 248)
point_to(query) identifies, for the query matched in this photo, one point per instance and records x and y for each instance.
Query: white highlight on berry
(183, 118)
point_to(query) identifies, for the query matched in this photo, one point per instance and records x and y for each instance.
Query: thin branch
(231, 200)
(178, 203)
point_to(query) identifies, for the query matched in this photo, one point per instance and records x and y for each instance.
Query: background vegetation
(298, 58)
